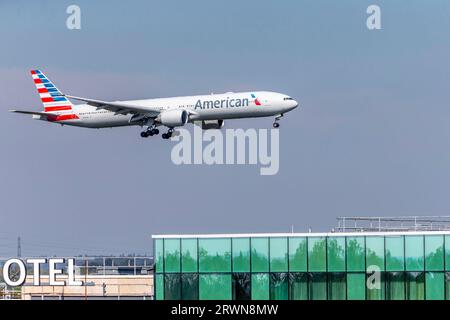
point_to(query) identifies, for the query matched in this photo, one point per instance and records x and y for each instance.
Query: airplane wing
(42, 114)
(120, 107)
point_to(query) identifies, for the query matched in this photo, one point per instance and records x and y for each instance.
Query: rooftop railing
(400, 223)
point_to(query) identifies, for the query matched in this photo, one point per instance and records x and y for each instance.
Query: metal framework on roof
(393, 224)
(348, 226)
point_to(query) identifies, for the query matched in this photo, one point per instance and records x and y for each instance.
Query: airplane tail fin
(51, 97)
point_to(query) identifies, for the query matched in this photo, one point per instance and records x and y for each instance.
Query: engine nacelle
(174, 118)
(212, 124)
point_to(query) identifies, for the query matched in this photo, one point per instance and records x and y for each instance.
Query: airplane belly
(102, 121)
(233, 113)
(113, 121)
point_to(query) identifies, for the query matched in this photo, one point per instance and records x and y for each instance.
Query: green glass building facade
(334, 266)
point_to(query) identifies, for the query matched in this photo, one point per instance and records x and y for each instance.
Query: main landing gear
(277, 118)
(168, 134)
(151, 131)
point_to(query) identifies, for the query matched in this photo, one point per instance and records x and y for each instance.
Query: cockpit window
(288, 98)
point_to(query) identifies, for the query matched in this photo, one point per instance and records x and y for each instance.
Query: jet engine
(174, 118)
(212, 124)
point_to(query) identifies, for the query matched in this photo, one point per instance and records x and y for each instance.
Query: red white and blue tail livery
(209, 111)
(51, 97)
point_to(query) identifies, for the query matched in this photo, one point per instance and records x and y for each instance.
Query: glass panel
(414, 253)
(172, 255)
(356, 259)
(317, 254)
(415, 286)
(241, 254)
(395, 254)
(278, 255)
(298, 286)
(356, 286)
(189, 255)
(434, 253)
(375, 286)
(297, 254)
(395, 286)
(241, 286)
(318, 286)
(278, 286)
(336, 254)
(159, 255)
(260, 254)
(172, 286)
(215, 255)
(159, 287)
(189, 286)
(337, 286)
(447, 285)
(375, 252)
(260, 286)
(447, 252)
(435, 284)
(215, 287)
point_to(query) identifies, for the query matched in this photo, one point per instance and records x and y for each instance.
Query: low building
(104, 277)
(369, 265)
(98, 287)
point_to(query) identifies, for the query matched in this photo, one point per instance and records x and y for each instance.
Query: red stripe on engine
(57, 108)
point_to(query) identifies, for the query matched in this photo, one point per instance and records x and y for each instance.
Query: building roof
(305, 234)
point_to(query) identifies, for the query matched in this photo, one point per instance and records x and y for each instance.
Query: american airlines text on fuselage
(223, 103)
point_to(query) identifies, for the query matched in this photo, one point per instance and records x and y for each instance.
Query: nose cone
(292, 105)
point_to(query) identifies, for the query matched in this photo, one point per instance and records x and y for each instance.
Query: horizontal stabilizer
(42, 114)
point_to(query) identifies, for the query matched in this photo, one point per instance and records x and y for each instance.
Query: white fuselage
(203, 107)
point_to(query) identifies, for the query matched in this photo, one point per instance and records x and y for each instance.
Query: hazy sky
(371, 136)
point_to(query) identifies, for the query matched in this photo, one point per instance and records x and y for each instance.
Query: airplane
(208, 111)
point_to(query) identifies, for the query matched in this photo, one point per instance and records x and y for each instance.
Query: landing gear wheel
(168, 134)
(151, 131)
(276, 125)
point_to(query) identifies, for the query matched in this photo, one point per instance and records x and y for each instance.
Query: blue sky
(371, 136)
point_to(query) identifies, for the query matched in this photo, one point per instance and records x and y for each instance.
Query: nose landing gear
(277, 118)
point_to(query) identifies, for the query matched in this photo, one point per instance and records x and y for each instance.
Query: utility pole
(19, 248)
